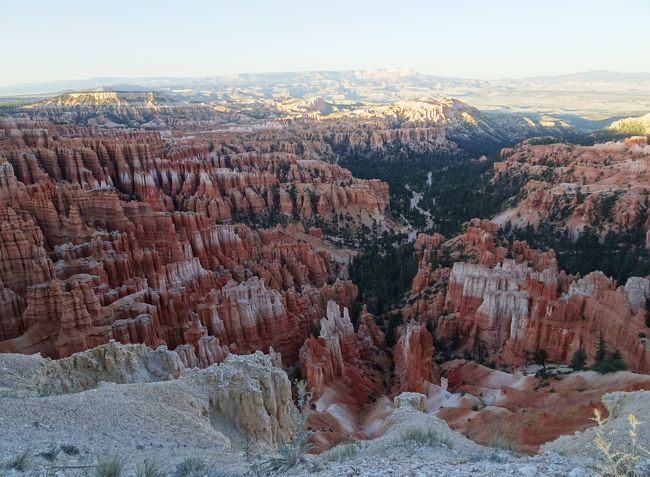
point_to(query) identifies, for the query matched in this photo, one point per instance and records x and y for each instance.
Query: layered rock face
(349, 374)
(512, 299)
(252, 394)
(112, 362)
(245, 393)
(129, 235)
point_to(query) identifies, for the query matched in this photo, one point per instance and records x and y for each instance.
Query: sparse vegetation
(426, 437)
(70, 449)
(50, 454)
(43, 390)
(617, 253)
(621, 461)
(190, 467)
(110, 466)
(500, 441)
(149, 468)
(20, 461)
(341, 453)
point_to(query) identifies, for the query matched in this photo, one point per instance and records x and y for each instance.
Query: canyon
(125, 236)
(209, 252)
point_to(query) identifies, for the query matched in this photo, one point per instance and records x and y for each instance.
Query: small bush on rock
(579, 359)
(610, 364)
(426, 437)
(625, 460)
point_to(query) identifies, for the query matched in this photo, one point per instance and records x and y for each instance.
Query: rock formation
(529, 410)
(499, 309)
(344, 371)
(413, 355)
(138, 237)
(166, 246)
(602, 188)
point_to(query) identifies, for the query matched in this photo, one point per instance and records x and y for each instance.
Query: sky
(46, 40)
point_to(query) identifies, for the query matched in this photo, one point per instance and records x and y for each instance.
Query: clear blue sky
(73, 39)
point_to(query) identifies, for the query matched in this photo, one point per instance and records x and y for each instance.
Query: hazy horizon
(70, 40)
(349, 70)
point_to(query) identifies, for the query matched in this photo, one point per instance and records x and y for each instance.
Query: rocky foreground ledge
(133, 403)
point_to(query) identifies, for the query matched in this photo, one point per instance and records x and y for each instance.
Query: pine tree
(615, 362)
(579, 359)
(601, 353)
(608, 362)
(540, 356)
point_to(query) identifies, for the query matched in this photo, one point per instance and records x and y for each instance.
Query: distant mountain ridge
(103, 97)
(595, 75)
(595, 94)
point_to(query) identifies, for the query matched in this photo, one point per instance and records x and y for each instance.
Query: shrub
(50, 454)
(69, 449)
(110, 466)
(20, 461)
(341, 453)
(500, 441)
(190, 467)
(43, 390)
(426, 437)
(149, 468)
(621, 461)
